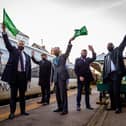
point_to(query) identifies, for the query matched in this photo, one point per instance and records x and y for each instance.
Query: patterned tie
(21, 60)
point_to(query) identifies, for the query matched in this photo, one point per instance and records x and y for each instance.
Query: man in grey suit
(60, 77)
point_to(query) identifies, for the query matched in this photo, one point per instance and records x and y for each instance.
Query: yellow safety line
(32, 106)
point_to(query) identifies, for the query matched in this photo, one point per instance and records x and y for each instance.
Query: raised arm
(68, 50)
(122, 44)
(93, 53)
(33, 58)
(6, 40)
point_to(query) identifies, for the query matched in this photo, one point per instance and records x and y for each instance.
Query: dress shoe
(110, 109)
(45, 104)
(64, 113)
(57, 110)
(25, 113)
(117, 111)
(90, 108)
(11, 116)
(40, 102)
(78, 108)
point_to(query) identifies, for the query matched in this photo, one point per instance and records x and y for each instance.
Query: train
(33, 88)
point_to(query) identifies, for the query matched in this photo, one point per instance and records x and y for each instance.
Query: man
(84, 76)
(113, 71)
(17, 73)
(60, 77)
(44, 77)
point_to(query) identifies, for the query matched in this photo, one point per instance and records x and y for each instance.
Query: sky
(54, 21)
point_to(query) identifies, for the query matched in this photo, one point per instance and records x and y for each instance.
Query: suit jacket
(82, 68)
(60, 69)
(117, 58)
(9, 74)
(44, 70)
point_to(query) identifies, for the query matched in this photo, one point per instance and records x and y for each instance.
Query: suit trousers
(20, 85)
(86, 85)
(61, 95)
(115, 84)
(45, 89)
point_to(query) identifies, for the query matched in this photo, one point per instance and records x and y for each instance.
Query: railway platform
(44, 115)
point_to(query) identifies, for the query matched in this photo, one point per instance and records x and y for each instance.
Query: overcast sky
(54, 21)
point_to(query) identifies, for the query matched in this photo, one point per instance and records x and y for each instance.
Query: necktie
(56, 61)
(21, 60)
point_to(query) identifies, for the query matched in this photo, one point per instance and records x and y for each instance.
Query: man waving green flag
(9, 24)
(82, 31)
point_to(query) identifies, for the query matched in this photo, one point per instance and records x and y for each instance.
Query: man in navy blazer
(84, 76)
(17, 73)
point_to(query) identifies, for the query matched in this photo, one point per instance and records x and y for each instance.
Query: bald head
(110, 46)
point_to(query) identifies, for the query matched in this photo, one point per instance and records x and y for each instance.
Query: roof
(100, 57)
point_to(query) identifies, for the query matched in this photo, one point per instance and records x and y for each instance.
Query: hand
(33, 53)
(3, 27)
(81, 78)
(71, 39)
(91, 48)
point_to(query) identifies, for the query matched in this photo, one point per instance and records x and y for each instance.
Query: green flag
(82, 31)
(9, 24)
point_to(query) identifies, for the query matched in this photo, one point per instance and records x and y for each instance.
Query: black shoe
(40, 102)
(90, 108)
(64, 113)
(45, 104)
(117, 111)
(110, 109)
(11, 116)
(25, 113)
(78, 108)
(57, 110)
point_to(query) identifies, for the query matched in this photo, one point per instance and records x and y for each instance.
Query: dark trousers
(81, 84)
(61, 95)
(115, 84)
(20, 85)
(45, 89)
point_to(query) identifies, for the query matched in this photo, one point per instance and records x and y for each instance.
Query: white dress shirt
(24, 62)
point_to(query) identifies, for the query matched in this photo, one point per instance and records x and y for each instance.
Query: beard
(21, 48)
(83, 56)
(110, 49)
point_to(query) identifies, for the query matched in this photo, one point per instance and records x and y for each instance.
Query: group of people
(18, 74)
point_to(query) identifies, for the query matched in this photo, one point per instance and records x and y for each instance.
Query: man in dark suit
(44, 77)
(60, 77)
(84, 76)
(113, 71)
(17, 73)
